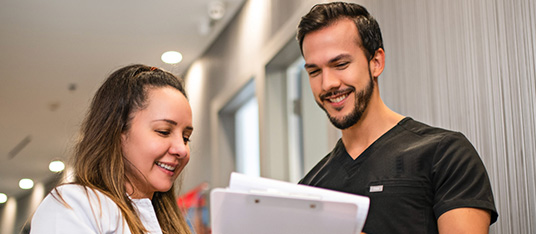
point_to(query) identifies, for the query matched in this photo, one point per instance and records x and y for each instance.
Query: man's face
(339, 72)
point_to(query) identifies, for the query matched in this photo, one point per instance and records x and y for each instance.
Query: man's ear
(377, 63)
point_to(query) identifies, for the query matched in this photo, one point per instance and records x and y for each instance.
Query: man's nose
(329, 80)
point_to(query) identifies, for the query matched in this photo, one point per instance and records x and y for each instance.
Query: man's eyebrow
(340, 57)
(333, 60)
(309, 66)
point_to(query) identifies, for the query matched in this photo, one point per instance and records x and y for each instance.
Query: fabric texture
(413, 174)
(85, 211)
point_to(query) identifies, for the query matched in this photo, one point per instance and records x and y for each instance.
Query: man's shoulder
(331, 159)
(418, 134)
(425, 130)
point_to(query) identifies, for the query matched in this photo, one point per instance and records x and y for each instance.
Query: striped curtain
(469, 66)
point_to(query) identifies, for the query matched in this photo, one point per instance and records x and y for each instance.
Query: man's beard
(362, 98)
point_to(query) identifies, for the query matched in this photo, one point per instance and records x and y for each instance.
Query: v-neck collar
(341, 154)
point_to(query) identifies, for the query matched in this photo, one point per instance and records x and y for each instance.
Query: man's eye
(313, 72)
(342, 65)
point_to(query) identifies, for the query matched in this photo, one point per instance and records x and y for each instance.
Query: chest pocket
(396, 187)
(406, 205)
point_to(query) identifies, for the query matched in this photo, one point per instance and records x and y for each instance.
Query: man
(420, 179)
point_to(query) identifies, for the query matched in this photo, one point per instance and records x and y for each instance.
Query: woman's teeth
(335, 100)
(165, 166)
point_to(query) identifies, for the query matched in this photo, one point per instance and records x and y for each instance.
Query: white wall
(240, 53)
(16, 213)
(9, 215)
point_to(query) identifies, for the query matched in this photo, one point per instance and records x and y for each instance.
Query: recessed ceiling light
(171, 57)
(3, 198)
(26, 183)
(216, 10)
(56, 166)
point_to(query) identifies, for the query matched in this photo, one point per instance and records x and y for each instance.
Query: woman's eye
(186, 140)
(162, 132)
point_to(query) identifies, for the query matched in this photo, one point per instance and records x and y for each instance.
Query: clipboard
(254, 205)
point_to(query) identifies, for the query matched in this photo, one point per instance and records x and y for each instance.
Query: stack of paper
(253, 205)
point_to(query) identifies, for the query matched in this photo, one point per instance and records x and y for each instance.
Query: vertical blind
(469, 66)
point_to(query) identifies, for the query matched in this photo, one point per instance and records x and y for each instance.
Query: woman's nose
(179, 148)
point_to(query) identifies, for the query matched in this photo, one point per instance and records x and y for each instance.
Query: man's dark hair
(324, 15)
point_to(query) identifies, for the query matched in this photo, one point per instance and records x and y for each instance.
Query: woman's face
(156, 144)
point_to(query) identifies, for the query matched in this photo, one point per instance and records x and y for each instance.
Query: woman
(134, 144)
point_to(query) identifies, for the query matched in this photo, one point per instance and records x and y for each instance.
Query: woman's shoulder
(76, 191)
(77, 206)
(83, 197)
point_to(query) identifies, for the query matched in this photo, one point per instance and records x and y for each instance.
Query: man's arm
(464, 220)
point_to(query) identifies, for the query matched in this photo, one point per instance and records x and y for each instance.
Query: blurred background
(468, 66)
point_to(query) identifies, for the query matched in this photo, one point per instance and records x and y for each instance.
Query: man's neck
(376, 121)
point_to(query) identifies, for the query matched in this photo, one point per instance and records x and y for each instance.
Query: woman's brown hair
(98, 159)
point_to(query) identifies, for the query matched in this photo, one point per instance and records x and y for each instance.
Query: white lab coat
(90, 212)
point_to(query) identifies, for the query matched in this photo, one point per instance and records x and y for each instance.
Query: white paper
(260, 205)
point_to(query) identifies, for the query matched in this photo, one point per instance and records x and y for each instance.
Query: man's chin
(338, 112)
(342, 122)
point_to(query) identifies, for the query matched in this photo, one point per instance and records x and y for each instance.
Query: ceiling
(54, 55)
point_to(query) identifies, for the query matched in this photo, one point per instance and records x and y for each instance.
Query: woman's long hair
(98, 159)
